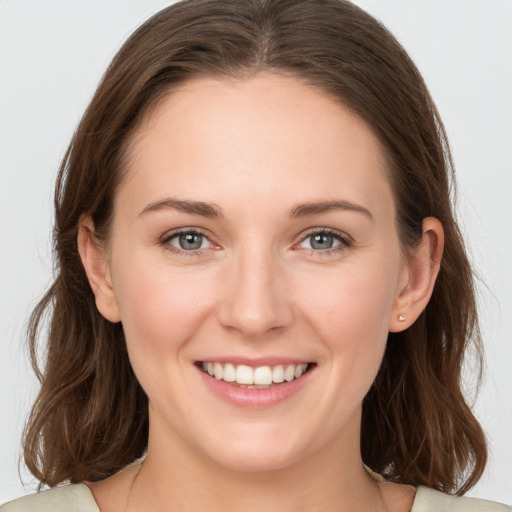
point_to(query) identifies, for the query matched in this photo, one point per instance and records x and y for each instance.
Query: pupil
(190, 241)
(322, 241)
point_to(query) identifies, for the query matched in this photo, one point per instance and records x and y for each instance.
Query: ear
(421, 270)
(95, 261)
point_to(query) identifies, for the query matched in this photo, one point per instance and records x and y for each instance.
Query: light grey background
(52, 55)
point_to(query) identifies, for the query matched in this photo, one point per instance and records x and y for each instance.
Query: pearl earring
(401, 318)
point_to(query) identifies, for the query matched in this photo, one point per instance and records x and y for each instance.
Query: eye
(326, 241)
(186, 241)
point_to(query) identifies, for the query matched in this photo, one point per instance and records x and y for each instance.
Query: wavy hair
(91, 416)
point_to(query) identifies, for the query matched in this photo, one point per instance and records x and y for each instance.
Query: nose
(255, 298)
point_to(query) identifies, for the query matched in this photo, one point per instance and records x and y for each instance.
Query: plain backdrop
(52, 55)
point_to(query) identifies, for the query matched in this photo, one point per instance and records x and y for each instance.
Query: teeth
(263, 376)
(278, 374)
(260, 377)
(300, 369)
(289, 373)
(244, 374)
(229, 373)
(218, 371)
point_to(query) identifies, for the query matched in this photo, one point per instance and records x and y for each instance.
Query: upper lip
(255, 362)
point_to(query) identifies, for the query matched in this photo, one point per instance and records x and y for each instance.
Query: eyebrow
(201, 208)
(318, 207)
(211, 210)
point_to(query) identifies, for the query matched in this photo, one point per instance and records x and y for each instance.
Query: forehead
(268, 136)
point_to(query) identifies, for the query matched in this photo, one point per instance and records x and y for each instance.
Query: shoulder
(429, 500)
(69, 498)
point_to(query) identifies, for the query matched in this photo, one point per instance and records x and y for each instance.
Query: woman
(262, 292)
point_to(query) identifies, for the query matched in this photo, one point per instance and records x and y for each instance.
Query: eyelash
(165, 242)
(345, 241)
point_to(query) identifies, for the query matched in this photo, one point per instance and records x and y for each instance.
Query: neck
(332, 479)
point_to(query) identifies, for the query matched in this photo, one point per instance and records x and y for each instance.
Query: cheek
(160, 309)
(348, 311)
(355, 301)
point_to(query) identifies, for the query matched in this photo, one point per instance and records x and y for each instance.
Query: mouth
(260, 377)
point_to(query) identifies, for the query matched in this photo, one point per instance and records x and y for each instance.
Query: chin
(256, 451)
(250, 459)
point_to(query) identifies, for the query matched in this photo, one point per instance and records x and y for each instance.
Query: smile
(261, 377)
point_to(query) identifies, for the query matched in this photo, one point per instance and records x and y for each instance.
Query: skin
(256, 149)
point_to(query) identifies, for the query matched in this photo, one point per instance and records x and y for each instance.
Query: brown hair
(90, 418)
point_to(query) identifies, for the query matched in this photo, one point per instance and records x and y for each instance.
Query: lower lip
(254, 398)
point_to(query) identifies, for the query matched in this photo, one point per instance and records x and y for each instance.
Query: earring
(401, 318)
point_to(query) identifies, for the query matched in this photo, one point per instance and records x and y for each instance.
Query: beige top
(78, 498)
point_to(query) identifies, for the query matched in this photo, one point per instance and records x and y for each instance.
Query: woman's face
(253, 235)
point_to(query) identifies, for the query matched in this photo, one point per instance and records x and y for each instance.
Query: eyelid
(179, 231)
(169, 235)
(329, 231)
(346, 241)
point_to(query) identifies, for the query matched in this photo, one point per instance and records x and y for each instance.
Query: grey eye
(188, 241)
(324, 240)
(321, 241)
